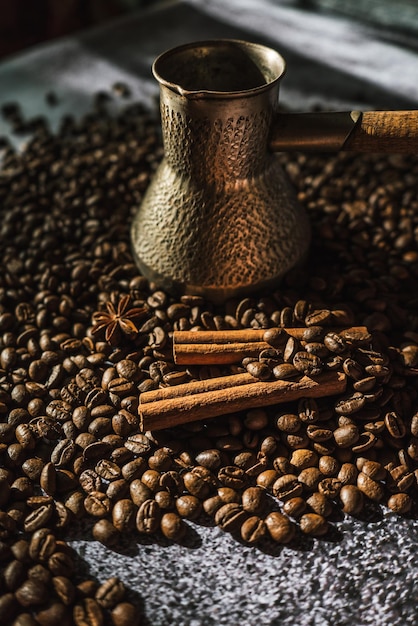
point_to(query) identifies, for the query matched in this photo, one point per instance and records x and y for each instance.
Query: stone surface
(367, 576)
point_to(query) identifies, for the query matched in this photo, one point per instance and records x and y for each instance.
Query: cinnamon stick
(197, 386)
(208, 347)
(215, 353)
(168, 412)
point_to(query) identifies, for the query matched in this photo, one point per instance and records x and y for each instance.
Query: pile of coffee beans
(319, 349)
(70, 445)
(38, 586)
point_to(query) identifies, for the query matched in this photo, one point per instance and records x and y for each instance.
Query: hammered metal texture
(219, 217)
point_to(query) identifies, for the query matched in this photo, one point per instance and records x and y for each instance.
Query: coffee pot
(220, 218)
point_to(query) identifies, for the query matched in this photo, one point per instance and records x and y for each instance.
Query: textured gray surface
(368, 576)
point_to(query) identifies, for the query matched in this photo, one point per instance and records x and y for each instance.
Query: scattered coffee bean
(313, 524)
(70, 444)
(280, 527)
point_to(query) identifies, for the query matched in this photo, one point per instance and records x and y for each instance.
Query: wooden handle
(353, 131)
(385, 131)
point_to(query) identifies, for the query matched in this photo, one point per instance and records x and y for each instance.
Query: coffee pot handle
(354, 131)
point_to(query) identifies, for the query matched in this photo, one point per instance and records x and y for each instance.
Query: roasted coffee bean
(64, 589)
(253, 529)
(261, 371)
(24, 436)
(285, 371)
(346, 436)
(138, 444)
(395, 425)
(48, 479)
(41, 573)
(123, 515)
(313, 524)
(134, 469)
(59, 410)
(165, 500)
(105, 532)
(110, 593)
(307, 363)
(318, 434)
(365, 385)
(288, 423)
(317, 348)
(286, 487)
(97, 504)
(152, 479)
(42, 545)
(61, 564)
(400, 503)
(295, 507)
(148, 517)
(196, 485)
(374, 470)
(256, 419)
(211, 459)
(267, 478)
(352, 499)
(379, 371)
(303, 458)
(31, 593)
(371, 488)
(38, 518)
(313, 333)
(280, 527)
(90, 481)
(320, 504)
(230, 517)
(329, 487)
(107, 470)
(87, 612)
(335, 343)
(319, 317)
(290, 349)
(254, 500)
(274, 336)
(229, 495)
(282, 465)
(139, 492)
(188, 506)
(63, 452)
(328, 465)
(309, 478)
(32, 467)
(404, 479)
(347, 474)
(125, 614)
(351, 404)
(14, 574)
(54, 613)
(211, 505)
(353, 369)
(295, 441)
(414, 425)
(232, 476)
(268, 446)
(308, 411)
(172, 526)
(365, 441)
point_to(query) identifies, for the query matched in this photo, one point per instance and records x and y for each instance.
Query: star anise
(117, 318)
